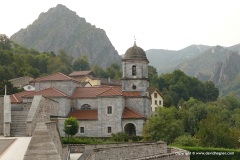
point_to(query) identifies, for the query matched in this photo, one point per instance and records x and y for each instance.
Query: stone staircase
(18, 125)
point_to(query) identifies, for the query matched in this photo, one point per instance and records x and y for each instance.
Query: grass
(204, 153)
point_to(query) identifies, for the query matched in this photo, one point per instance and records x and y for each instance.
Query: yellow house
(157, 98)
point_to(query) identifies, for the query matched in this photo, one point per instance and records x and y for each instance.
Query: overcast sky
(157, 24)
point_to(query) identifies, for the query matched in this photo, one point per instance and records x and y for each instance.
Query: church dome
(136, 53)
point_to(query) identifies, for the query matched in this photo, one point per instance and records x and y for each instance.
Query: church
(102, 109)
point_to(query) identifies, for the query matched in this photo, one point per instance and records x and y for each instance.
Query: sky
(156, 24)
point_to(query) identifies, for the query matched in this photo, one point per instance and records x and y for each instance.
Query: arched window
(85, 107)
(134, 70)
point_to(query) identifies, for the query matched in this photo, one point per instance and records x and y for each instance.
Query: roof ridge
(65, 75)
(117, 91)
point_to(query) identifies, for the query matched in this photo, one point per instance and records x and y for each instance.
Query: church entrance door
(130, 129)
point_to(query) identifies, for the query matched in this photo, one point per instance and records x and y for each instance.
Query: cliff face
(226, 74)
(61, 28)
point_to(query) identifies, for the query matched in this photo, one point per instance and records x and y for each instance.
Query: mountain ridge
(60, 28)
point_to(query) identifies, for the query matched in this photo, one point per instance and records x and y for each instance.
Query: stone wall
(40, 111)
(133, 151)
(64, 106)
(91, 101)
(66, 87)
(140, 104)
(138, 123)
(1, 115)
(53, 130)
(113, 120)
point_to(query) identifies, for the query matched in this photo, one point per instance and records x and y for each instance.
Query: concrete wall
(66, 87)
(1, 115)
(113, 120)
(7, 116)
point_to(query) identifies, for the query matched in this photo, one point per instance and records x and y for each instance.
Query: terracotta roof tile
(79, 73)
(93, 92)
(132, 93)
(54, 77)
(49, 92)
(131, 114)
(17, 97)
(84, 114)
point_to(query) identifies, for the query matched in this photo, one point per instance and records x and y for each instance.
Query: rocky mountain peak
(60, 28)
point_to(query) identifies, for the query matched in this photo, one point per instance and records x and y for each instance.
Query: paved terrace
(14, 148)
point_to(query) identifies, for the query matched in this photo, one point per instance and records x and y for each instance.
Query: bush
(186, 140)
(120, 137)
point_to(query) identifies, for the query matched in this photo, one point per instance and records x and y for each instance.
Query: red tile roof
(17, 97)
(54, 77)
(132, 93)
(49, 92)
(93, 92)
(131, 114)
(84, 114)
(80, 73)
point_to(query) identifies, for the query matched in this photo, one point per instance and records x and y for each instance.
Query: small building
(156, 98)
(21, 81)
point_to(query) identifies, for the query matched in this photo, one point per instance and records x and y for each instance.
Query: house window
(160, 102)
(155, 95)
(155, 102)
(81, 129)
(109, 110)
(109, 130)
(134, 70)
(134, 87)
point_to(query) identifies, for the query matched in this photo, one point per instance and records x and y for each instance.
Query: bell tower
(135, 70)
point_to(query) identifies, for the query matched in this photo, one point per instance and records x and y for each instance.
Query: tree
(74, 126)
(211, 91)
(5, 42)
(163, 126)
(81, 64)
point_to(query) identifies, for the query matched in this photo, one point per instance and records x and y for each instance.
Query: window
(155, 102)
(109, 110)
(85, 107)
(81, 129)
(134, 87)
(155, 95)
(134, 70)
(160, 102)
(109, 130)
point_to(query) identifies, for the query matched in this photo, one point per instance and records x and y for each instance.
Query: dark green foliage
(214, 124)
(120, 137)
(163, 126)
(186, 140)
(74, 126)
(178, 85)
(81, 64)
